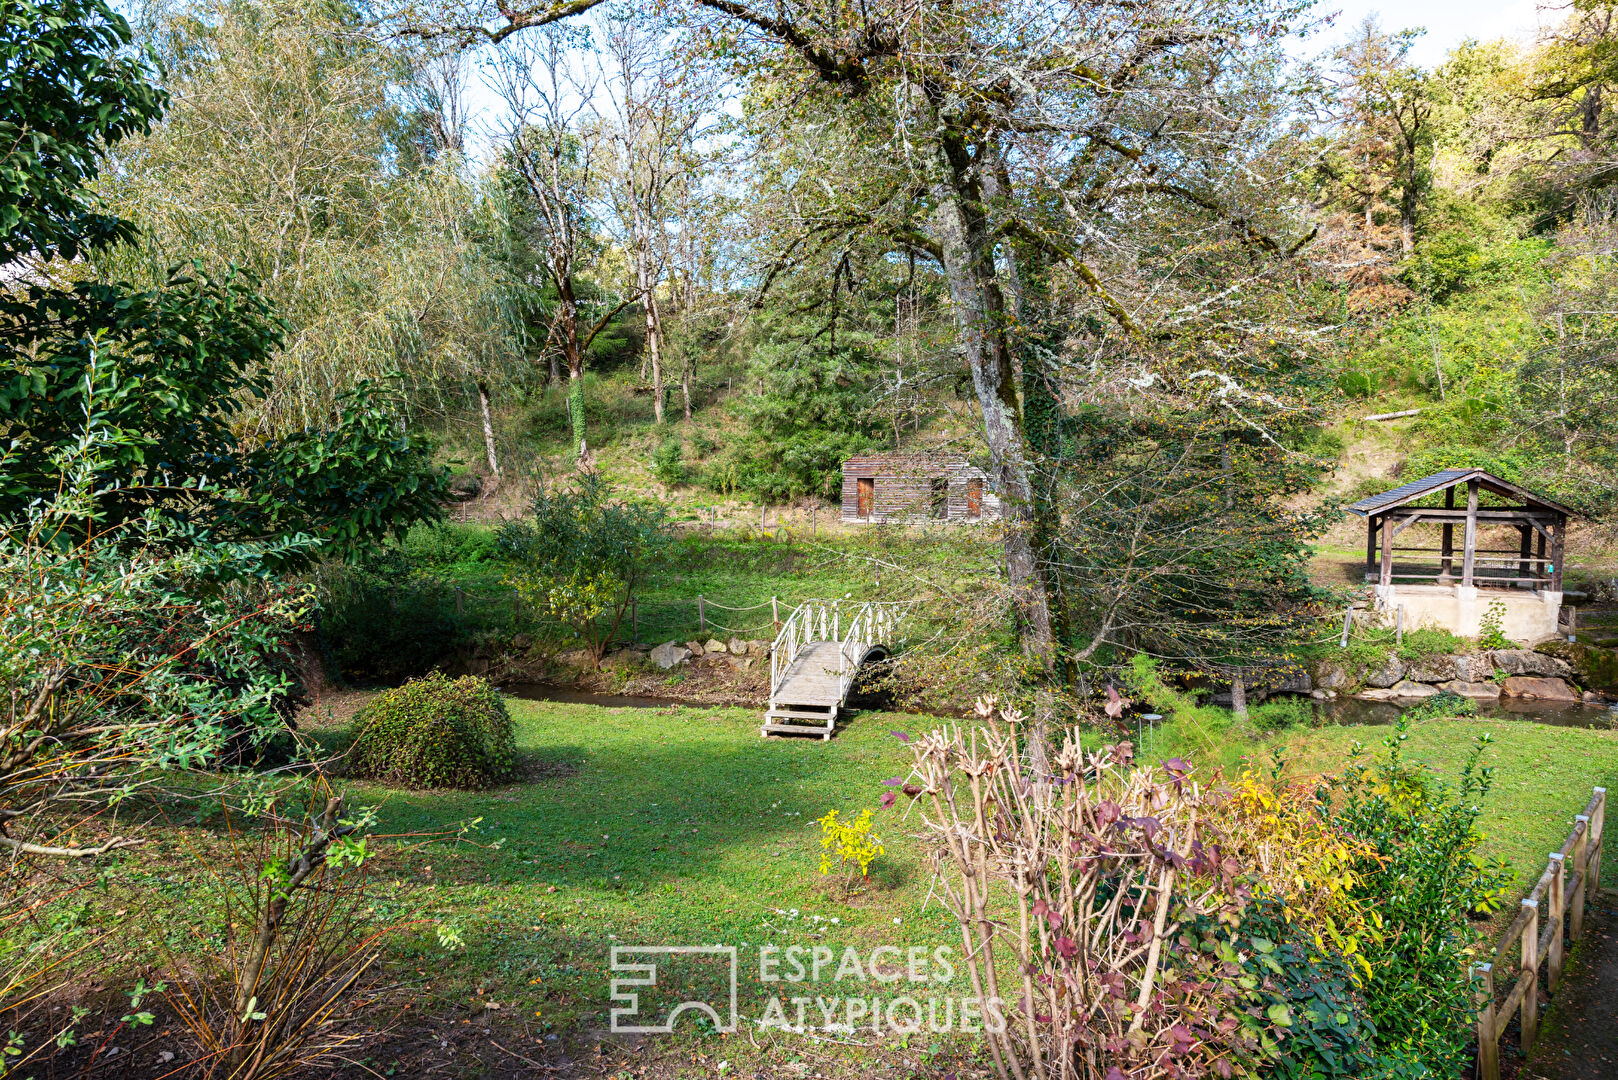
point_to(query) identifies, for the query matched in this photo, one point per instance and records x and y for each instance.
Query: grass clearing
(1543, 775)
(669, 826)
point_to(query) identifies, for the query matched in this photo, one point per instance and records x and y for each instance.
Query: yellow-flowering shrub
(1278, 832)
(850, 841)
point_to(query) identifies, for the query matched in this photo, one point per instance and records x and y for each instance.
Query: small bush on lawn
(436, 732)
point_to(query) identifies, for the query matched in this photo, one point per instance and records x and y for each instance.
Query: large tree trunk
(979, 314)
(488, 434)
(980, 319)
(568, 313)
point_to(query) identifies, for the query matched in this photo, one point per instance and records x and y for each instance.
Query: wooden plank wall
(904, 490)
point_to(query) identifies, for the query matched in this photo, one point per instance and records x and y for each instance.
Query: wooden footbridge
(817, 656)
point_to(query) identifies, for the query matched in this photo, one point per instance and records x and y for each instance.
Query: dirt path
(1579, 1037)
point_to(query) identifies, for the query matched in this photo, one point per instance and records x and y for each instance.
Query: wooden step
(824, 733)
(800, 714)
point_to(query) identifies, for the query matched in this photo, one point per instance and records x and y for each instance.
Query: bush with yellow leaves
(850, 841)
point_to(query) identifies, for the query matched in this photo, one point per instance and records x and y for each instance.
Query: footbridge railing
(856, 629)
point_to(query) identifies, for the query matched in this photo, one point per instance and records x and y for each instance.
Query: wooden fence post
(775, 614)
(812, 529)
(702, 614)
(1530, 968)
(1558, 893)
(1488, 1038)
(1348, 621)
(1581, 867)
(1597, 826)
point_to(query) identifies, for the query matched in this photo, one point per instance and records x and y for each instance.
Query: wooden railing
(1554, 909)
(872, 624)
(822, 620)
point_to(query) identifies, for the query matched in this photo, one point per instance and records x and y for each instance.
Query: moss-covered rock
(436, 732)
(1592, 665)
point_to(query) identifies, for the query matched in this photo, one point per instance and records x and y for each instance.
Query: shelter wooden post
(1540, 564)
(1371, 526)
(1386, 575)
(1527, 536)
(1530, 970)
(1558, 532)
(1447, 550)
(1469, 551)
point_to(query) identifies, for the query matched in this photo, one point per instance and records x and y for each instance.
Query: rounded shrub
(436, 732)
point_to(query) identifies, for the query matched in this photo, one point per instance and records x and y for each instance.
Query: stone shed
(915, 488)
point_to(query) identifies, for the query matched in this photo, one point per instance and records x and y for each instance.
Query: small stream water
(1341, 711)
(1556, 713)
(533, 691)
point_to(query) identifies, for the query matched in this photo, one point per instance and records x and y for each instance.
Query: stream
(1341, 711)
(1347, 710)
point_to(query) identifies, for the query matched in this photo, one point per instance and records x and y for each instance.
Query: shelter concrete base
(1530, 616)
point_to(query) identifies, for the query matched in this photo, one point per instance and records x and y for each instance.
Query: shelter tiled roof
(1448, 478)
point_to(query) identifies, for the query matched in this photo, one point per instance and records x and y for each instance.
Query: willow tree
(292, 150)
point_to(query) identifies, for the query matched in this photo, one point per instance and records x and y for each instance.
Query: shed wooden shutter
(974, 498)
(867, 495)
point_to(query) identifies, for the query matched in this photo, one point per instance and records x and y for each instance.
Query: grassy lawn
(682, 826)
(674, 826)
(1543, 775)
(734, 569)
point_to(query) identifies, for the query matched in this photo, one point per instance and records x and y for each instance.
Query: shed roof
(902, 461)
(1448, 478)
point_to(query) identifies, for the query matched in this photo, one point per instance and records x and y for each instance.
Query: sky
(1448, 22)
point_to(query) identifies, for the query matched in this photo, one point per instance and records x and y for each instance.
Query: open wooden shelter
(1540, 524)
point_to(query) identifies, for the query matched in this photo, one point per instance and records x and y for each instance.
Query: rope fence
(661, 620)
(644, 622)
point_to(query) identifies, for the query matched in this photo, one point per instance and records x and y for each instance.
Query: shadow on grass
(655, 797)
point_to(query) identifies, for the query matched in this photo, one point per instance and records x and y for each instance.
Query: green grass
(682, 826)
(675, 826)
(1544, 775)
(736, 569)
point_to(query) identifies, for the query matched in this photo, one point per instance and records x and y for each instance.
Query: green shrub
(1302, 986)
(1424, 882)
(1445, 703)
(451, 544)
(1282, 712)
(1489, 633)
(436, 732)
(384, 622)
(667, 465)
